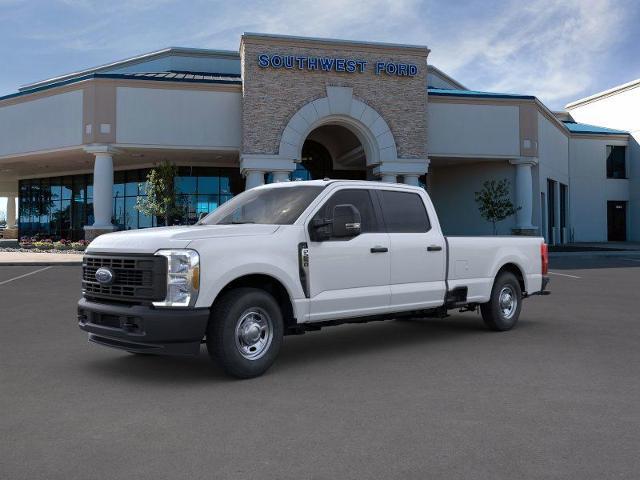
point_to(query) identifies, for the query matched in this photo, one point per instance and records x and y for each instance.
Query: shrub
(81, 245)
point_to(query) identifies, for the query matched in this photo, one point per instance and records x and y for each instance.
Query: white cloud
(547, 48)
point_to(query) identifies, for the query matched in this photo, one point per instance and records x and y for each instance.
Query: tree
(161, 199)
(494, 202)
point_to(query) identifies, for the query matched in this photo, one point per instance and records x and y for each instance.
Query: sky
(557, 50)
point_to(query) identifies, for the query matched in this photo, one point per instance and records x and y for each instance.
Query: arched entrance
(332, 151)
(337, 136)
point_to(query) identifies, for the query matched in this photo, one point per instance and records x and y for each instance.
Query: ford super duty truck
(291, 257)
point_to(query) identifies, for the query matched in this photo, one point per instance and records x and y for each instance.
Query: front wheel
(502, 311)
(245, 332)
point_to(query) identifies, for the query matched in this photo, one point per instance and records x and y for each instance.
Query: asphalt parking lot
(558, 397)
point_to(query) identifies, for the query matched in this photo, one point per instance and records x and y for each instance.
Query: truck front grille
(136, 278)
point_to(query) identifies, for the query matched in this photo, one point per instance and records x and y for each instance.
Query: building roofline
(448, 78)
(597, 131)
(588, 129)
(445, 92)
(336, 41)
(605, 93)
(132, 61)
(120, 76)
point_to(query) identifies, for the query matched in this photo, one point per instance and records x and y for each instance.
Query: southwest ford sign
(334, 64)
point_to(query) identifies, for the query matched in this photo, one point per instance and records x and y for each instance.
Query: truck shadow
(377, 337)
(341, 343)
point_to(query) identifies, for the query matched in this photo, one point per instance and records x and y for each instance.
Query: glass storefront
(59, 207)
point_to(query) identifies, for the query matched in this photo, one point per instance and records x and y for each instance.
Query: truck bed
(474, 262)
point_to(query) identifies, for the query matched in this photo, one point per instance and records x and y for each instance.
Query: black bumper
(543, 288)
(144, 329)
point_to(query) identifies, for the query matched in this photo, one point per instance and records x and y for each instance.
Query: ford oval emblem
(104, 276)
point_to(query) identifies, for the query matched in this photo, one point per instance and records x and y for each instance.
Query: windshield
(272, 206)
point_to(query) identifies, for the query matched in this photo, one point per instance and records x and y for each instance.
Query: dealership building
(75, 149)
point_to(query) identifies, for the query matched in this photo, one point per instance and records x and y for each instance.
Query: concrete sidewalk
(36, 259)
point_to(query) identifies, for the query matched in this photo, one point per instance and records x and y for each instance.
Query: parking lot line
(564, 275)
(25, 275)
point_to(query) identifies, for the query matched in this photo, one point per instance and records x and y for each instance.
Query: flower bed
(39, 245)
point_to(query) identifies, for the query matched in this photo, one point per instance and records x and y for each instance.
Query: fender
(292, 285)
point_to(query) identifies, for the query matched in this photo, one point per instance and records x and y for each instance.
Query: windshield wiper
(236, 222)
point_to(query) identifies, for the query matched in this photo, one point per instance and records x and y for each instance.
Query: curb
(609, 253)
(41, 264)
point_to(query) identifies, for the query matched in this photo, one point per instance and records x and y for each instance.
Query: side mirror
(320, 230)
(346, 221)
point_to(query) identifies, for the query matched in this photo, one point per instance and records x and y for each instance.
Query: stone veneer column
(524, 195)
(102, 191)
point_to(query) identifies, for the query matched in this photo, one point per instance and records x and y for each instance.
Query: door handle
(434, 248)
(379, 249)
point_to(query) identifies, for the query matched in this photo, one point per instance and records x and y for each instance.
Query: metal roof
(444, 92)
(135, 60)
(177, 75)
(187, 77)
(585, 128)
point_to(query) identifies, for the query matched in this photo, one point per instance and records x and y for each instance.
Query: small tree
(161, 199)
(494, 202)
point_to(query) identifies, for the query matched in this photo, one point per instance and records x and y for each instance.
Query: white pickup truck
(290, 257)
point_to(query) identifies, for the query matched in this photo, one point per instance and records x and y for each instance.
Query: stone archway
(339, 107)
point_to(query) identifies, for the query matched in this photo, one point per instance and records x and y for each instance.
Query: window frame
(424, 206)
(608, 150)
(377, 214)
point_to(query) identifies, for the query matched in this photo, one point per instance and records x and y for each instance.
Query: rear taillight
(544, 257)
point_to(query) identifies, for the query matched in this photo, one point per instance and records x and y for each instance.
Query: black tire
(252, 308)
(499, 313)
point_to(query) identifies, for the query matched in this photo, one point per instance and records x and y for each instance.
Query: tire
(245, 332)
(502, 311)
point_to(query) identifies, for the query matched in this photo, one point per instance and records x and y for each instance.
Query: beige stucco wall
(178, 117)
(272, 96)
(50, 122)
(460, 129)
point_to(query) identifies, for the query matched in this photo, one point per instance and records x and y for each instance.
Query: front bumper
(144, 329)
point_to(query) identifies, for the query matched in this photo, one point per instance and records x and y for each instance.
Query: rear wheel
(245, 332)
(502, 311)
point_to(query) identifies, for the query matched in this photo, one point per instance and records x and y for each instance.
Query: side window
(361, 199)
(404, 212)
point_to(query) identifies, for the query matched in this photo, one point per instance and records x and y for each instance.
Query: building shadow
(587, 262)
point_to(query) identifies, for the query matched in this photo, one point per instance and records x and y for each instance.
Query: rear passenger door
(417, 252)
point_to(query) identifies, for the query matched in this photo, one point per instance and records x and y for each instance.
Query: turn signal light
(544, 256)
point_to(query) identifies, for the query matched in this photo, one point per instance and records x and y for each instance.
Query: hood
(149, 240)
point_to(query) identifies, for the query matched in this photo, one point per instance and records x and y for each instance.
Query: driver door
(349, 277)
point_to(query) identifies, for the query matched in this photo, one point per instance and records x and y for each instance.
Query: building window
(60, 207)
(616, 164)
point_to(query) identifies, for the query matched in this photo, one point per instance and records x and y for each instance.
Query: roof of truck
(329, 181)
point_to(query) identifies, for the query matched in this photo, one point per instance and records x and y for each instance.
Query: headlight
(183, 278)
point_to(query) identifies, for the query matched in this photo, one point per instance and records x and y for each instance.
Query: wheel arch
(269, 284)
(516, 270)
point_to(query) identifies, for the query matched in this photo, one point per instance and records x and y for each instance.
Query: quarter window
(361, 199)
(404, 212)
